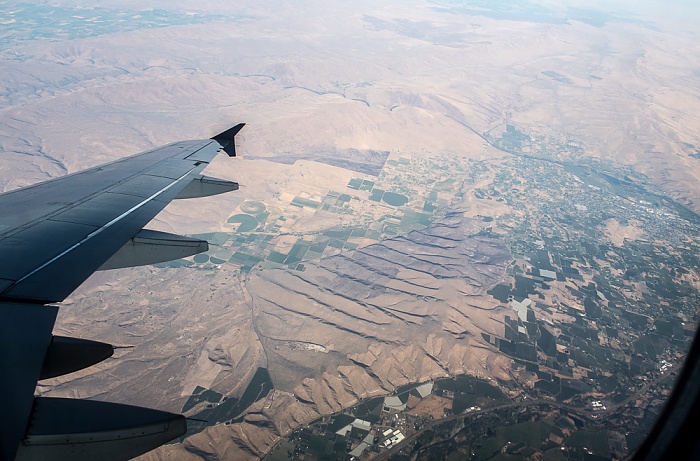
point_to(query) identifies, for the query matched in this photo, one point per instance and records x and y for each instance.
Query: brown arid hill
(316, 81)
(371, 307)
(357, 326)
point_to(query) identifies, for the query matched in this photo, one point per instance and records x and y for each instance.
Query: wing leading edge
(53, 236)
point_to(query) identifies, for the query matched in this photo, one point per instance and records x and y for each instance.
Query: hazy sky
(683, 14)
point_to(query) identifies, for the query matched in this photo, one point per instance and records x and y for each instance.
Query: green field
(297, 252)
(247, 222)
(394, 199)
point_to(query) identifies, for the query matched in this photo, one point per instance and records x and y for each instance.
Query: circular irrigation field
(252, 207)
(248, 223)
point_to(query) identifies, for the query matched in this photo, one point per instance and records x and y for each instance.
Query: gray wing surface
(53, 236)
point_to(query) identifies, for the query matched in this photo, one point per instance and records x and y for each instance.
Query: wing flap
(172, 169)
(151, 247)
(99, 210)
(204, 186)
(143, 185)
(88, 430)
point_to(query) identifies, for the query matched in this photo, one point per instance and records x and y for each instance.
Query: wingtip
(227, 139)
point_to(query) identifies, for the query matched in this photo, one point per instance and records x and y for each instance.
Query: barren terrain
(409, 96)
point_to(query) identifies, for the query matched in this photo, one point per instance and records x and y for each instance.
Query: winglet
(226, 139)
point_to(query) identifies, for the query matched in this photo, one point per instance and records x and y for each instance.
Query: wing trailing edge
(204, 186)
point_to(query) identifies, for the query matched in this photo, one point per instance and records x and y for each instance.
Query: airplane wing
(53, 236)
